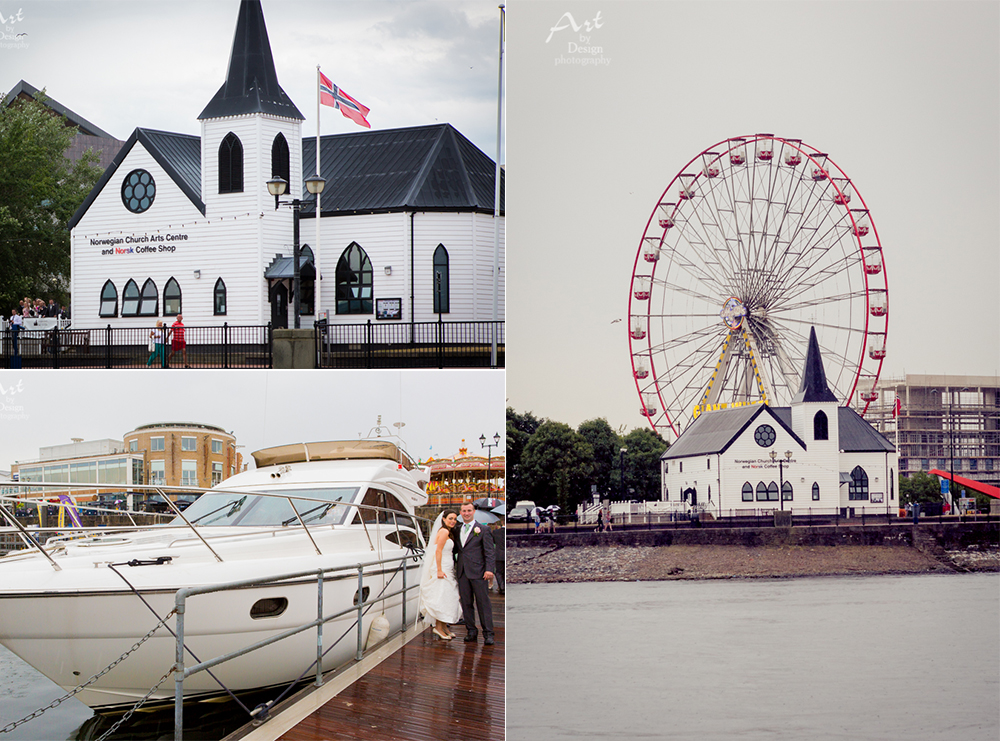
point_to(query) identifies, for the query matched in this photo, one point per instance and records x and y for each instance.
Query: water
(23, 690)
(877, 657)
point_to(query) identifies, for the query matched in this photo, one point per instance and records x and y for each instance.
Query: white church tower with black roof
(250, 131)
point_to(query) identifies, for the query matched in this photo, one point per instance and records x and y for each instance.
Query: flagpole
(318, 293)
(496, 202)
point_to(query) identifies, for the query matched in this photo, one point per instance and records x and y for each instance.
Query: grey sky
(157, 64)
(904, 96)
(262, 408)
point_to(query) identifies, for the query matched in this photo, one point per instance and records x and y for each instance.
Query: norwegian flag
(897, 408)
(333, 96)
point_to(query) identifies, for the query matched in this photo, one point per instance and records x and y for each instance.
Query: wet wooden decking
(427, 690)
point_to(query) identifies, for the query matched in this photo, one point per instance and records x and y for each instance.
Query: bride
(438, 586)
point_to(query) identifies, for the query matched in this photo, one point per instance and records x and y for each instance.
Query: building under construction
(945, 423)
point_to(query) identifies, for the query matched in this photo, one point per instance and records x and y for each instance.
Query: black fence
(224, 346)
(409, 345)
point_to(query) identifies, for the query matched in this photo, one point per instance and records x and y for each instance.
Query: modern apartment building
(948, 423)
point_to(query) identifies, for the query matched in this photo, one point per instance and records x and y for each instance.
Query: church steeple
(251, 84)
(814, 386)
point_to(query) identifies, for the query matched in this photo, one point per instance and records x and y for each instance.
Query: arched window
(786, 491)
(354, 281)
(279, 159)
(821, 426)
(815, 491)
(219, 297)
(858, 488)
(761, 491)
(109, 299)
(149, 301)
(171, 298)
(231, 164)
(747, 492)
(772, 492)
(130, 299)
(441, 290)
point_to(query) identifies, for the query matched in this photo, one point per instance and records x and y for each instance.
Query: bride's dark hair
(444, 516)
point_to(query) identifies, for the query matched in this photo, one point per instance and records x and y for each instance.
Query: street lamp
(489, 457)
(621, 470)
(781, 478)
(276, 186)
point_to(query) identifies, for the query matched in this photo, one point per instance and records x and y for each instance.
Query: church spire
(251, 84)
(814, 386)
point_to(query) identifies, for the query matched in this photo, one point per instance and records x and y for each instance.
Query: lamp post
(621, 470)
(951, 445)
(781, 478)
(489, 458)
(276, 186)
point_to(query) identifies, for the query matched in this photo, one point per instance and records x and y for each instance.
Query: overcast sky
(904, 96)
(261, 408)
(157, 63)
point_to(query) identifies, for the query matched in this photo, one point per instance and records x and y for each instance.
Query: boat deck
(427, 690)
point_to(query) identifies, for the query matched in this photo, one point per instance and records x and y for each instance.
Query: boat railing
(397, 518)
(181, 607)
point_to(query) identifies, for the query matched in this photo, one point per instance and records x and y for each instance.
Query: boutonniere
(475, 530)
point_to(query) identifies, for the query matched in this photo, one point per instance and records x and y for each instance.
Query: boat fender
(378, 631)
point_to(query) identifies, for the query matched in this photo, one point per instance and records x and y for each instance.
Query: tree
(39, 192)
(606, 443)
(556, 464)
(919, 487)
(642, 464)
(520, 428)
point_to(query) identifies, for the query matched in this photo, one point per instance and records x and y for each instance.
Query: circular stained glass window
(764, 435)
(138, 191)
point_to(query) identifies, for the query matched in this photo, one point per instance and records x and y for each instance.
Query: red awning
(979, 486)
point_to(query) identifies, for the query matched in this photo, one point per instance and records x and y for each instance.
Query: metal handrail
(180, 607)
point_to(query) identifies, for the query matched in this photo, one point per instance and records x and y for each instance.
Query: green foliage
(606, 443)
(642, 464)
(920, 487)
(556, 465)
(39, 192)
(520, 427)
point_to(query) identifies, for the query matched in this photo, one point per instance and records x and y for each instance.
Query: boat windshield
(220, 509)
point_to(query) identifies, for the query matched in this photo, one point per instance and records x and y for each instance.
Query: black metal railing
(221, 346)
(409, 345)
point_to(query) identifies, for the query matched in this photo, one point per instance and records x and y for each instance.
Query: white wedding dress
(439, 597)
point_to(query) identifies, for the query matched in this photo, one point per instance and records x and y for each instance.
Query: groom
(474, 568)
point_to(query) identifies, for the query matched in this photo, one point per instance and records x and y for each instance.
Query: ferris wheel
(757, 239)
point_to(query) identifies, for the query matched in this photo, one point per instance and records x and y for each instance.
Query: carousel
(464, 478)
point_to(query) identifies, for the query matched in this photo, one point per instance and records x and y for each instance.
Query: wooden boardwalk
(428, 690)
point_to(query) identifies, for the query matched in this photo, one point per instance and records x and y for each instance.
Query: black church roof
(814, 386)
(424, 168)
(178, 154)
(22, 88)
(856, 434)
(251, 84)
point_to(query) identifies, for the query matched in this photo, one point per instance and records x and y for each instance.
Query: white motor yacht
(73, 607)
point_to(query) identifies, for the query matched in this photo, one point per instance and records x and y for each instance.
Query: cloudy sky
(262, 408)
(904, 96)
(156, 63)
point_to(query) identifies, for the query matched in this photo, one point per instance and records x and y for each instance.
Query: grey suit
(474, 559)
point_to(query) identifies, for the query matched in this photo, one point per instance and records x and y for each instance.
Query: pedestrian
(536, 515)
(157, 342)
(16, 323)
(179, 344)
(607, 519)
(600, 520)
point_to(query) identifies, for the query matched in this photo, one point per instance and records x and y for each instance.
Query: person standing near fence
(16, 322)
(179, 344)
(157, 342)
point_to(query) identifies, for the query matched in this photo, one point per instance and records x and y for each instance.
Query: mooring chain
(79, 688)
(142, 701)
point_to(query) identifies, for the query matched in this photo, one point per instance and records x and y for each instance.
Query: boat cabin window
(315, 506)
(384, 501)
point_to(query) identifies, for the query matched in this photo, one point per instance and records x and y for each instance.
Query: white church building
(821, 457)
(182, 224)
